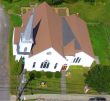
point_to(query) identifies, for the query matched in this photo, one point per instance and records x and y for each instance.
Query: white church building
(50, 42)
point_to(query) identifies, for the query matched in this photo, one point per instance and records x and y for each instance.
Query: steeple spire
(27, 35)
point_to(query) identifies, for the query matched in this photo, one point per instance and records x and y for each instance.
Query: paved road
(4, 75)
(65, 97)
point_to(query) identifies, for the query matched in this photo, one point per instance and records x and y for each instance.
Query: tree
(57, 74)
(57, 1)
(99, 78)
(70, 1)
(32, 75)
(91, 1)
(49, 74)
(10, 1)
(38, 74)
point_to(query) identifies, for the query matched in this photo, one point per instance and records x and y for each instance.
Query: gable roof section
(80, 30)
(67, 35)
(48, 34)
(17, 31)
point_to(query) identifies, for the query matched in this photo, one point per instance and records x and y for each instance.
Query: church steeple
(27, 35)
(26, 39)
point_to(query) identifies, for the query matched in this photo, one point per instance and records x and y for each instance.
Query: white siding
(25, 45)
(85, 61)
(53, 58)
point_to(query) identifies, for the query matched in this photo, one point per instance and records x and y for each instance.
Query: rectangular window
(45, 63)
(34, 64)
(74, 60)
(55, 66)
(47, 66)
(79, 60)
(41, 66)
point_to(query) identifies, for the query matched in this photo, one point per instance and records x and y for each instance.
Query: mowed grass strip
(75, 84)
(100, 42)
(53, 85)
(14, 66)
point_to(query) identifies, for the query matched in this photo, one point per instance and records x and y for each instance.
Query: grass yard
(75, 84)
(14, 66)
(89, 12)
(15, 7)
(99, 35)
(53, 85)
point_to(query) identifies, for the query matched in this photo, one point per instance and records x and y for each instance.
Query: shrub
(38, 74)
(99, 78)
(49, 74)
(57, 74)
(32, 75)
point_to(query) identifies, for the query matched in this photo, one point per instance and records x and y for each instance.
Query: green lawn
(14, 66)
(53, 86)
(75, 84)
(15, 7)
(88, 12)
(99, 35)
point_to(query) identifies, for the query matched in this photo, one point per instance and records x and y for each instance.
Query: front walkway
(63, 82)
(97, 60)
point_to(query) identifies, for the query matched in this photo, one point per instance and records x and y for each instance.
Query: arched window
(45, 64)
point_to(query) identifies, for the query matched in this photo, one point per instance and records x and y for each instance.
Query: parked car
(98, 99)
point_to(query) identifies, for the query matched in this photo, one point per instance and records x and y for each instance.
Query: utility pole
(22, 80)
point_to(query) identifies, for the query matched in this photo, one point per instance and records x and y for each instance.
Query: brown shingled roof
(80, 30)
(50, 32)
(48, 35)
(17, 31)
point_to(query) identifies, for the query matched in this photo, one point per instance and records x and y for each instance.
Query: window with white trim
(45, 64)
(55, 65)
(77, 60)
(34, 64)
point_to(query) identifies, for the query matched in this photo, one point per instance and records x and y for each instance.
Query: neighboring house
(50, 42)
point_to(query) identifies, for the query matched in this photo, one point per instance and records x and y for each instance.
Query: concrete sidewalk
(60, 97)
(13, 98)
